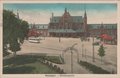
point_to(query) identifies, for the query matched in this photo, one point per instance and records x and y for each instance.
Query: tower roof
(65, 9)
(85, 14)
(66, 13)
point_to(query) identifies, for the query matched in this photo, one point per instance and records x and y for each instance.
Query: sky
(40, 13)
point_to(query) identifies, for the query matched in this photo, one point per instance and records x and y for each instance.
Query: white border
(57, 75)
(61, 1)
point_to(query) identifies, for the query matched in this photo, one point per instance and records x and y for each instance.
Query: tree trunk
(14, 54)
(101, 60)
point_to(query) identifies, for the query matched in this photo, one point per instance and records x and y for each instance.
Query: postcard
(60, 39)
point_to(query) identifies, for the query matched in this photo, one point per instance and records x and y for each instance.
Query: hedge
(95, 69)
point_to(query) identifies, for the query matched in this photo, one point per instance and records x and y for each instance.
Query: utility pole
(82, 49)
(93, 50)
(85, 54)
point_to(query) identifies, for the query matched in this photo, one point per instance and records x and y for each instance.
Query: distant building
(41, 29)
(99, 29)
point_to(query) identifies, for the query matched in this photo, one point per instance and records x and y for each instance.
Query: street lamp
(71, 51)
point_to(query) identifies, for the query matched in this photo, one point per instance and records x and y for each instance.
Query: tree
(24, 31)
(14, 31)
(14, 46)
(101, 52)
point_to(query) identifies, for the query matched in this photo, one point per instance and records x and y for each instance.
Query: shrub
(51, 65)
(55, 67)
(95, 69)
(54, 59)
(58, 69)
(47, 63)
(62, 71)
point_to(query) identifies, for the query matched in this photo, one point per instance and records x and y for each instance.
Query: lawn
(26, 64)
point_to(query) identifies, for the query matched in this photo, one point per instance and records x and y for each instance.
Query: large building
(76, 26)
(68, 26)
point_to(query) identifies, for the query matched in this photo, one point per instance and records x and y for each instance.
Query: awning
(65, 30)
(106, 37)
(62, 30)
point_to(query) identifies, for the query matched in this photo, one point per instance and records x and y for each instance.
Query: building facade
(76, 26)
(99, 29)
(73, 26)
(40, 29)
(67, 25)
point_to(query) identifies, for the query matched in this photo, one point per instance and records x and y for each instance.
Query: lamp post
(71, 48)
(85, 54)
(71, 51)
(82, 49)
(93, 50)
(71, 60)
(59, 35)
